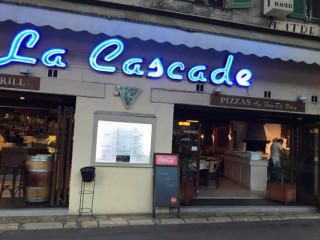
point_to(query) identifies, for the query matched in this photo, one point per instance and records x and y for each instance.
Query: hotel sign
(257, 103)
(19, 82)
(307, 29)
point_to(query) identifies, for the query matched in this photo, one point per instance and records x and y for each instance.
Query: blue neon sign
(196, 74)
(113, 48)
(179, 66)
(53, 58)
(157, 65)
(109, 57)
(31, 38)
(133, 67)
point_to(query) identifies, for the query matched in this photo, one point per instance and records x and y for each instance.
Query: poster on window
(123, 142)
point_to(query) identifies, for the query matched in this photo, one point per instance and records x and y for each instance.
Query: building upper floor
(298, 17)
(295, 16)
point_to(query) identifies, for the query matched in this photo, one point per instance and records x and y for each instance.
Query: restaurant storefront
(127, 92)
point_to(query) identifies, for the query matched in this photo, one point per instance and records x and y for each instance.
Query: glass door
(186, 142)
(306, 163)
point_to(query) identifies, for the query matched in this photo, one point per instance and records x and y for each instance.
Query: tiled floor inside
(229, 189)
(231, 193)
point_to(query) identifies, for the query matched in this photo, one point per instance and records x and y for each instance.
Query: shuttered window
(299, 9)
(241, 3)
(315, 10)
(216, 3)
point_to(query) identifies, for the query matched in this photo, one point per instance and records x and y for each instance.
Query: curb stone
(9, 226)
(219, 219)
(270, 218)
(308, 216)
(141, 222)
(171, 221)
(195, 220)
(89, 224)
(70, 225)
(112, 223)
(246, 218)
(288, 217)
(41, 225)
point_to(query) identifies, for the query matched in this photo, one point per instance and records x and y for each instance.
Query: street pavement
(107, 221)
(297, 229)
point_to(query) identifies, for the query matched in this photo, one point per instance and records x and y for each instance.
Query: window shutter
(241, 3)
(299, 9)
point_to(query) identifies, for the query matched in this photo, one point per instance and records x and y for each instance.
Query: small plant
(187, 165)
(284, 190)
(284, 168)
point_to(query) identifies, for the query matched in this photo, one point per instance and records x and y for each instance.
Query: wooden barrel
(38, 178)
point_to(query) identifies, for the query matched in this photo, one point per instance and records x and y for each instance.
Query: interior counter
(16, 155)
(249, 173)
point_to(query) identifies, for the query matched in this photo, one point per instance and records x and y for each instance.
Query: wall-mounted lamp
(217, 90)
(116, 93)
(301, 98)
(24, 71)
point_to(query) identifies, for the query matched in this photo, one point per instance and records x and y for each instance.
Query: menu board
(123, 142)
(166, 181)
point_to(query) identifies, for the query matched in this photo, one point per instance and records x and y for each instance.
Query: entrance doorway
(36, 147)
(306, 160)
(203, 134)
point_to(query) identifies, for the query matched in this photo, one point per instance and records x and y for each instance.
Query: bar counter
(249, 173)
(16, 155)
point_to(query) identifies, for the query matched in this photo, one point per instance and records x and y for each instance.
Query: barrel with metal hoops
(38, 178)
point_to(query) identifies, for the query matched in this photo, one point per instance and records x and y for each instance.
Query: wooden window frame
(236, 4)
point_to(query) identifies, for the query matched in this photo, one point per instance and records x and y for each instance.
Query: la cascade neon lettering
(32, 37)
(51, 58)
(109, 57)
(133, 66)
(196, 74)
(172, 67)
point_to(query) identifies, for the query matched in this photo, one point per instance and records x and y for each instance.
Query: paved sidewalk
(101, 221)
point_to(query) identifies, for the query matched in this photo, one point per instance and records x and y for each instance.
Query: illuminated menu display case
(123, 139)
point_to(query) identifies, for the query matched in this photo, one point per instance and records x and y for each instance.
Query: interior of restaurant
(206, 134)
(32, 170)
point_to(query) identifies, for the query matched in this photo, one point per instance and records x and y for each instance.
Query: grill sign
(19, 82)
